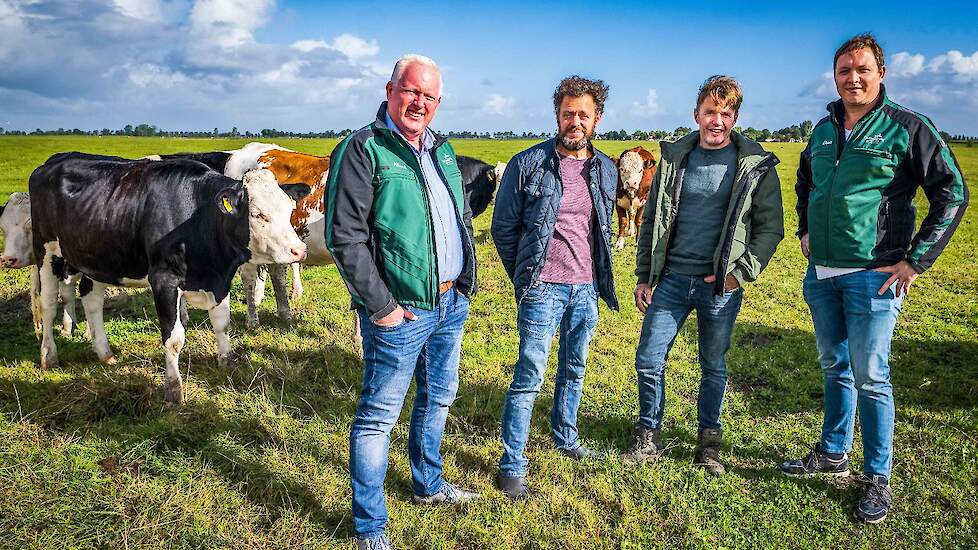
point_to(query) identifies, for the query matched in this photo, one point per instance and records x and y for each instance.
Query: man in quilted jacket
(551, 229)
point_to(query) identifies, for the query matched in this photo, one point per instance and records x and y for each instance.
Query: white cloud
(229, 23)
(649, 107)
(139, 9)
(497, 104)
(355, 47)
(148, 74)
(956, 64)
(904, 64)
(306, 46)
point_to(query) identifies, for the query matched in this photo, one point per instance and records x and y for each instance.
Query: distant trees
(797, 133)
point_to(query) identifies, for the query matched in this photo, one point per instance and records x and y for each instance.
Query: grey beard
(572, 145)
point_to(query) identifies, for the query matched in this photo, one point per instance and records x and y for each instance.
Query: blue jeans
(672, 301)
(853, 329)
(544, 308)
(426, 350)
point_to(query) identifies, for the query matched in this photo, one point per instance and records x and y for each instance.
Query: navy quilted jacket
(526, 210)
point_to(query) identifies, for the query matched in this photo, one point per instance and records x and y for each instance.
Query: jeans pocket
(390, 328)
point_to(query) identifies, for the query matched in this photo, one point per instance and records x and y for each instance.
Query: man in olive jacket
(713, 221)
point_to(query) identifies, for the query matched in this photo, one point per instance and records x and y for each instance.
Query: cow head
(630, 169)
(15, 224)
(498, 171)
(272, 240)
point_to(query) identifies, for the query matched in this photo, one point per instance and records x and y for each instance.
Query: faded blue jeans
(853, 329)
(426, 350)
(673, 299)
(544, 308)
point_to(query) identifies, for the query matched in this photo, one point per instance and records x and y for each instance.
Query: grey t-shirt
(703, 202)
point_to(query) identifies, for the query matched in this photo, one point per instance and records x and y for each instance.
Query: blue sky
(304, 65)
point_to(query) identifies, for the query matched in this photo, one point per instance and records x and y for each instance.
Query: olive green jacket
(754, 222)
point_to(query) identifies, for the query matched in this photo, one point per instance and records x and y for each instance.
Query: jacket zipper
(431, 226)
(840, 137)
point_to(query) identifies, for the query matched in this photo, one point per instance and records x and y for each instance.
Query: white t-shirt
(825, 272)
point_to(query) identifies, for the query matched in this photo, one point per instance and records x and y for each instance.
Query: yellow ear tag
(227, 205)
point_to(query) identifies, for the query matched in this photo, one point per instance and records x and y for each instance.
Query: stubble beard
(575, 145)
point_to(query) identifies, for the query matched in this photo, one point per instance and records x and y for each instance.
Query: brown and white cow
(636, 167)
(307, 220)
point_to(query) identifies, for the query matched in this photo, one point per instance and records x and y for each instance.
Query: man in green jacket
(856, 183)
(400, 230)
(712, 223)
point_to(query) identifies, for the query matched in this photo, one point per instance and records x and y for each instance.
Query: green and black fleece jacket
(855, 196)
(378, 220)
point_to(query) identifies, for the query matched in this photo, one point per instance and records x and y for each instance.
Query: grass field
(89, 457)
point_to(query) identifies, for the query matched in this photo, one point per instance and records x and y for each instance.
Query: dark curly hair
(578, 86)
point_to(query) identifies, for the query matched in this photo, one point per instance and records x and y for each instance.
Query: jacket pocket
(873, 152)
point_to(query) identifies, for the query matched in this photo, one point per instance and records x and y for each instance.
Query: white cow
(18, 252)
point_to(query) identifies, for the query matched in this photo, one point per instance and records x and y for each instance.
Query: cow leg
(49, 307)
(622, 224)
(296, 282)
(36, 299)
(184, 314)
(279, 276)
(69, 319)
(167, 298)
(638, 219)
(220, 320)
(93, 300)
(253, 278)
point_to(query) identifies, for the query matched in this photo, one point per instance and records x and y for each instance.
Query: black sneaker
(876, 499)
(817, 462)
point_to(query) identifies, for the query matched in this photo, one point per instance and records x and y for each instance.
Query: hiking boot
(708, 451)
(876, 499)
(817, 462)
(449, 494)
(646, 446)
(581, 453)
(378, 543)
(514, 487)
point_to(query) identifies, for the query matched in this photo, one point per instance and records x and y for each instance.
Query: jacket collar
(380, 123)
(838, 110)
(675, 151)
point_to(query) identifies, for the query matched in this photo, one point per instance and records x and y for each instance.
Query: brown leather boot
(708, 451)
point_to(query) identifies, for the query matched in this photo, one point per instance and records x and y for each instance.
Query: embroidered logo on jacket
(873, 140)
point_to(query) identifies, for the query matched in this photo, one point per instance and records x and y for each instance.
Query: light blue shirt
(448, 237)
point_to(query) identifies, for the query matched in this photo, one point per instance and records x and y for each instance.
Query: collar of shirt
(427, 138)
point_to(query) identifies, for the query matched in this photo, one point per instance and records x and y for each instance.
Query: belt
(445, 287)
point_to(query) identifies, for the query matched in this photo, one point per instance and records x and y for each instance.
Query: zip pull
(837, 163)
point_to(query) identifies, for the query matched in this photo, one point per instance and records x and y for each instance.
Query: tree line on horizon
(794, 133)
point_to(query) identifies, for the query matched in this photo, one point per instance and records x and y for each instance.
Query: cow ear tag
(227, 205)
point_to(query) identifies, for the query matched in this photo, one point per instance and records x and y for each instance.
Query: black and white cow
(479, 180)
(18, 252)
(174, 225)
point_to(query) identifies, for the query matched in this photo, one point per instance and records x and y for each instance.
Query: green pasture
(257, 458)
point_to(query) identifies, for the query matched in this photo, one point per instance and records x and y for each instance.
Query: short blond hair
(724, 90)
